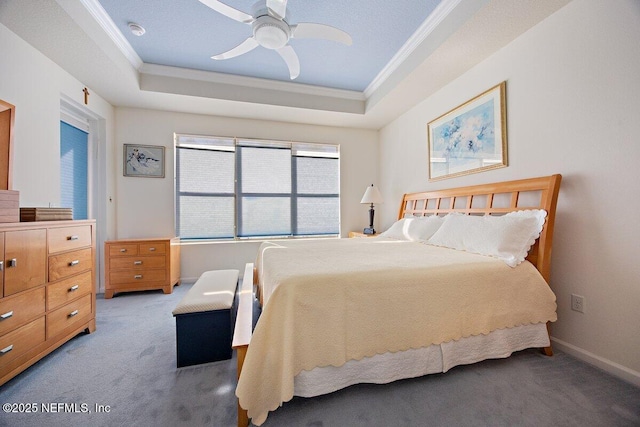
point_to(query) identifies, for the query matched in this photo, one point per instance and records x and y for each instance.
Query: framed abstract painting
(470, 138)
(144, 160)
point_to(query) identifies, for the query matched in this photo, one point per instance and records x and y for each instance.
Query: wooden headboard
(495, 199)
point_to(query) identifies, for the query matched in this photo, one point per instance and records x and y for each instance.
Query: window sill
(188, 242)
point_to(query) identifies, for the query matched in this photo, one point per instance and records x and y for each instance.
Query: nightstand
(360, 234)
(141, 264)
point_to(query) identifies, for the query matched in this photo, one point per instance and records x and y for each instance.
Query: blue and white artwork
(144, 161)
(469, 138)
(470, 135)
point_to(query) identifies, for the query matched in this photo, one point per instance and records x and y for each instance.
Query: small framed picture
(145, 161)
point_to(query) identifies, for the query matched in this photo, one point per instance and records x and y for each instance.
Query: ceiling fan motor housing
(270, 32)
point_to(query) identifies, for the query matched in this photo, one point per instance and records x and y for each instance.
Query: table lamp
(371, 196)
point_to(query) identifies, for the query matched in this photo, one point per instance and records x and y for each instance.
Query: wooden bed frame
(485, 199)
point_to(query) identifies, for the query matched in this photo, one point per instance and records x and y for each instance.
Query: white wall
(145, 206)
(573, 107)
(35, 85)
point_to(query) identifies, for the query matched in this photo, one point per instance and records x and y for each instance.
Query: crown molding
(249, 82)
(427, 27)
(205, 84)
(100, 15)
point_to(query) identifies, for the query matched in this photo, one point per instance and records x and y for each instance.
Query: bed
(337, 312)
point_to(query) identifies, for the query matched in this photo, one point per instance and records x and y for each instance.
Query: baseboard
(606, 365)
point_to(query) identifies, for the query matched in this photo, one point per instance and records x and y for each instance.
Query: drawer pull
(6, 349)
(73, 288)
(123, 250)
(74, 262)
(137, 262)
(73, 237)
(1, 265)
(152, 249)
(13, 262)
(7, 315)
(138, 276)
(73, 313)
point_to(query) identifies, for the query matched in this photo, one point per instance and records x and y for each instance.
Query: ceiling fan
(272, 31)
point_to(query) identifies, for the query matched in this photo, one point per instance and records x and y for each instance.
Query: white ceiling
(95, 48)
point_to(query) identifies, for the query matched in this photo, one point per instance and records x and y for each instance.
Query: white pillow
(508, 237)
(414, 229)
(397, 230)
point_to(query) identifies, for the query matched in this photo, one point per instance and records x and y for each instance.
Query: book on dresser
(47, 289)
(141, 264)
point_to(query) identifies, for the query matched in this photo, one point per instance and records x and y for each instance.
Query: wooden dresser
(141, 264)
(47, 289)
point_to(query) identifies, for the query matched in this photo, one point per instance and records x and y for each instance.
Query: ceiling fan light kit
(271, 31)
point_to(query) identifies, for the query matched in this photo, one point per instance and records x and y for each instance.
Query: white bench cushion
(214, 290)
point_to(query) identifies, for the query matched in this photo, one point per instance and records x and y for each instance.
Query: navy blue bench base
(203, 337)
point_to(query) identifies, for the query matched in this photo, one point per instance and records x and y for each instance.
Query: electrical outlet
(577, 303)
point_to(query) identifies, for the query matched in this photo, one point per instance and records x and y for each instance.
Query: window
(73, 170)
(242, 188)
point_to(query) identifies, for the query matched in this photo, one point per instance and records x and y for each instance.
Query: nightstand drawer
(19, 309)
(16, 343)
(129, 276)
(68, 238)
(123, 250)
(138, 263)
(69, 263)
(152, 248)
(76, 312)
(62, 292)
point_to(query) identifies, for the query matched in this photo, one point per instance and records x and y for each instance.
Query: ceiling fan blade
(289, 55)
(277, 8)
(309, 30)
(244, 47)
(229, 11)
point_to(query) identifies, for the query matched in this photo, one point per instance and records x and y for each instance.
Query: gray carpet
(128, 366)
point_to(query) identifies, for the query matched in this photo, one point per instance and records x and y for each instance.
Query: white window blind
(240, 188)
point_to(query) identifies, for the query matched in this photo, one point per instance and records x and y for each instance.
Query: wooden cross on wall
(86, 96)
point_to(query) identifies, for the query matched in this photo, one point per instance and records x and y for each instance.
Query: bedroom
(571, 102)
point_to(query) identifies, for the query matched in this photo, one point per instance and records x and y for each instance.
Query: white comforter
(330, 301)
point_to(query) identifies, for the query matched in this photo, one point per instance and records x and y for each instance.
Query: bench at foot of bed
(205, 318)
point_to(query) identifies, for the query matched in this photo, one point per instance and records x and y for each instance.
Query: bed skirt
(388, 367)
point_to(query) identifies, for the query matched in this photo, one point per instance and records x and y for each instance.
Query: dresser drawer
(129, 276)
(21, 308)
(68, 238)
(75, 312)
(69, 263)
(62, 292)
(16, 343)
(151, 248)
(137, 263)
(25, 255)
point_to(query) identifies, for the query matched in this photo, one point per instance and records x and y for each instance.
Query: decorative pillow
(508, 237)
(414, 229)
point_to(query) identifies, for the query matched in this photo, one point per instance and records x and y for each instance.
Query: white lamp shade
(372, 195)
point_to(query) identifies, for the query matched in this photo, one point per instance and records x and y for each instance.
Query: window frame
(297, 150)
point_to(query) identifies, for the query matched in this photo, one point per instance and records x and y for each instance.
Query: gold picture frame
(470, 138)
